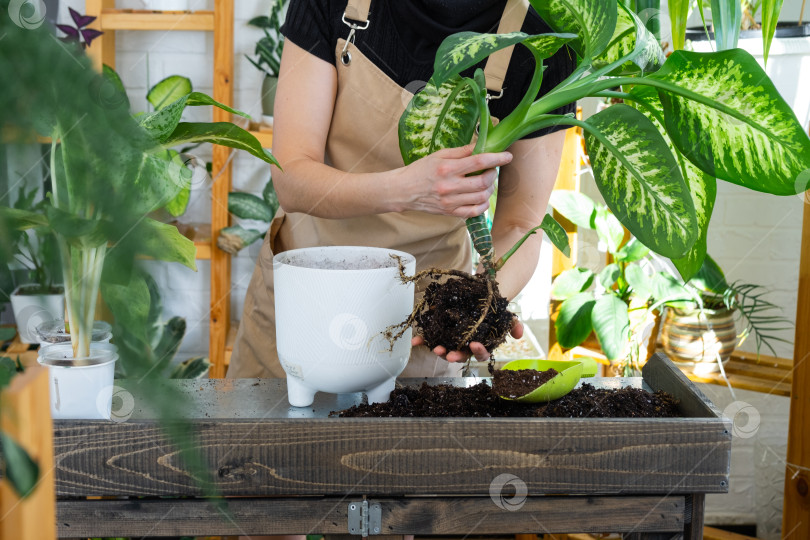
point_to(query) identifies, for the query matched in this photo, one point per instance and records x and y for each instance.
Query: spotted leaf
(438, 117)
(592, 20)
(631, 40)
(724, 114)
(465, 49)
(702, 186)
(640, 180)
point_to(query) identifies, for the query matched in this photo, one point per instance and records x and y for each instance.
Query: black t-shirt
(403, 36)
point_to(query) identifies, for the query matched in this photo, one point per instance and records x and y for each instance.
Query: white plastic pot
(332, 306)
(80, 390)
(30, 310)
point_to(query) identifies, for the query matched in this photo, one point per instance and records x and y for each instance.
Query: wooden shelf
(128, 19)
(767, 374)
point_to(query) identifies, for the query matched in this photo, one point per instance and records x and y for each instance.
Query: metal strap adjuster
(345, 55)
(491, 97)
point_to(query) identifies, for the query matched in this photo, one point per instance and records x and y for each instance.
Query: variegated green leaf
(631, 40)
(639, 281)
(547, 45)
(556, 234)
(232, 239)
(223, 133)
(678, 13)
(168, 91)
(640, 180)
(465, 49)
(611, 323)
(592, 20)
(740, 130)
(702, 186)
(438, 117)
(165, 243)
(161, 123)
(770, 15)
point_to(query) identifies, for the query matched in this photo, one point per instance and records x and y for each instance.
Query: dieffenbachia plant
(686, 120)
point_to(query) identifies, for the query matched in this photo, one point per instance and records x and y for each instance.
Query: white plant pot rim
(16, 292)
(285, 256)
(60, 355)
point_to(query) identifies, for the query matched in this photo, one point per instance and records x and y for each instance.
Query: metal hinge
(365, 519)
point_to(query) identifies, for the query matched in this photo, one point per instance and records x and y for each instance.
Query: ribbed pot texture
(694, 337)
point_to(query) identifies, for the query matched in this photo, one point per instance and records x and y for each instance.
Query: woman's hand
(477, 349)
(438, 183)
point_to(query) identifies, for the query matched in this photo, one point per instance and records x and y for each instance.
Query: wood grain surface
(458, 516)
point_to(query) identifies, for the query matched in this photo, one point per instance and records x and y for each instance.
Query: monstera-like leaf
(725, 115)
(438, 117)
(640, 180)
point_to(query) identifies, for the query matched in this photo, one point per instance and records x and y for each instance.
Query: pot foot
(299, 394)
(381, 393)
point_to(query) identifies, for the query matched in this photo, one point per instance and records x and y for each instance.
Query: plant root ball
(450, 316)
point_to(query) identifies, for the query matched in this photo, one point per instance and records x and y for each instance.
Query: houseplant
(700, 331)
(102, 228)
(248, 206)
(695, 117)
(620, 303)
(268, 54)
(41, 297)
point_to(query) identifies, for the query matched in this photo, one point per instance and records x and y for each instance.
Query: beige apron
(362, 138)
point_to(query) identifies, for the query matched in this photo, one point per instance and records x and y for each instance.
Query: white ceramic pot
(32, 310)
(332, 306)
(80, 391)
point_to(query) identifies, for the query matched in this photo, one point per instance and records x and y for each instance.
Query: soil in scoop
(481, 401)
(453, 307)
(519, 382)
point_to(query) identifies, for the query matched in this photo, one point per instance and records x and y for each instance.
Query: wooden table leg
(693, 529)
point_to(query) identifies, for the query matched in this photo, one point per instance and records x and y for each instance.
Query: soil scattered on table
(482, 401)
(519, 382)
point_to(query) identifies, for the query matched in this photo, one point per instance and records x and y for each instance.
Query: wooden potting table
(289, 470)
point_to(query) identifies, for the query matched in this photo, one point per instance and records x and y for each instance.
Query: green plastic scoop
(569, 374)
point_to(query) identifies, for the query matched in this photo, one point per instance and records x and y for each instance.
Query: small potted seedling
(41, 298)
(268, 55)
(685, 121)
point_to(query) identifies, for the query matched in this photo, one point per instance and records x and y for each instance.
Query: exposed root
(489, 327)
(486, 304)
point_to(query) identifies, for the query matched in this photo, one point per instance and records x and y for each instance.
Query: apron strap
(357, 10)
(498, 62)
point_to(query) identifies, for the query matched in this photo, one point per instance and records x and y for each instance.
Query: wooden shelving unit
(220, 22)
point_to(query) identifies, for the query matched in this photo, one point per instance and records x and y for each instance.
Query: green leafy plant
(728, 19)
(248, 206)
(709, 291)
(35, 249)
(694, 117)
(686, 120)
(268, 48)
(88, 217)
(620, 299)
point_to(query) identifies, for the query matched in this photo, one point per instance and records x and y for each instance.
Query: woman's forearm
(317, 189)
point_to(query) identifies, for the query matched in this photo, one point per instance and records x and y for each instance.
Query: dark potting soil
(453, 307)
(482, 401)
(519, 382)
